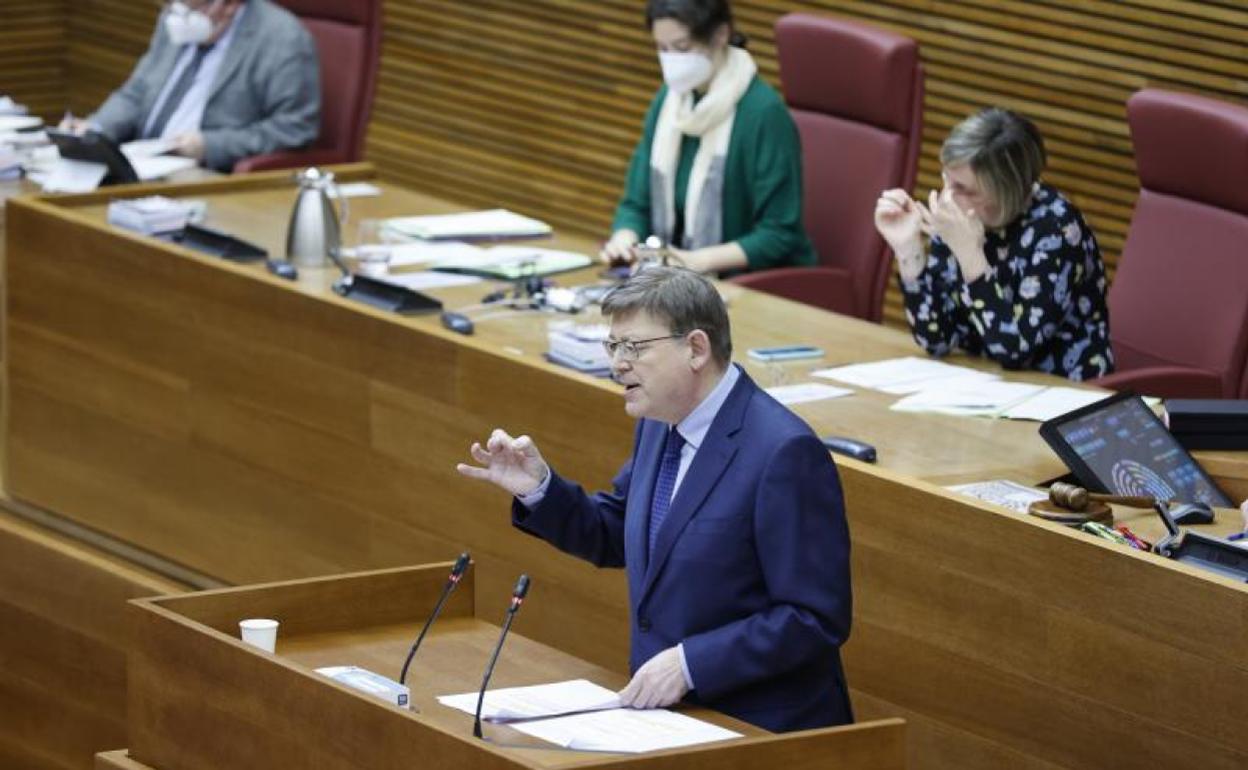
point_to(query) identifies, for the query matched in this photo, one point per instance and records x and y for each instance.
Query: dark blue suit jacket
(750, 569)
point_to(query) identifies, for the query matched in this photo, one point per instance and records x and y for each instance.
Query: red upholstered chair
(348, 39)
(856, 94)
(1178, 306)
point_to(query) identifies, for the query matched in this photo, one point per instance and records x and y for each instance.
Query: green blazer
(762, 197)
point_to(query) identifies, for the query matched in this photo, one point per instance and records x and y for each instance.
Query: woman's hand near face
(619, 249)
(962, 232)
(899, 221)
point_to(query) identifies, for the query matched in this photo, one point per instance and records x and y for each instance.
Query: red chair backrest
(856, 94)
(1180, 295)
(348, 39)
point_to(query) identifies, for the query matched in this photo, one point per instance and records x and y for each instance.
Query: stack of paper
(493, 224)
(1012, 495)
(10, 107)
(580, 348)
(10, 164)
(903, 375)
(583, 716)
(512, 263)
(155, 214)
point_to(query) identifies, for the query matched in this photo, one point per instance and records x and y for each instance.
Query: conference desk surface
(257, 429)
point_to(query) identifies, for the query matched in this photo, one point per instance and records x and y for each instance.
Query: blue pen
(1238, 536)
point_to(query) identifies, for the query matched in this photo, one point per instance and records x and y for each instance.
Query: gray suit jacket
(266, 97)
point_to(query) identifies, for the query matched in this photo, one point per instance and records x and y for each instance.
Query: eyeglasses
(631, 350)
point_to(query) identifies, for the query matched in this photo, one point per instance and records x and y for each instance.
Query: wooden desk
(200, 698)
(258, 430)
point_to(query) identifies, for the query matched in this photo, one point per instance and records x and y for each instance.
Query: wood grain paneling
(536, 104)
(63, 643)
(33, 39)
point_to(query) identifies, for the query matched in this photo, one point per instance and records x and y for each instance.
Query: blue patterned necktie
(665, 484)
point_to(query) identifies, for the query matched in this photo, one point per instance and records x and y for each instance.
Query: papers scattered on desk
(19, 122)
(903, 375)
(1011, 400)
(1053, 402)
(155, 214)
(10, 164)
(493, 224)
(579, 714)
(988, 398)
(427, 280)
(1014, 496)
(804, 392)
(74, 176)
(626, 731)
(10, 107)
(511, 263)
(542, 700)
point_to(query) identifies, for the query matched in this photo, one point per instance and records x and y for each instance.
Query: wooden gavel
(1076, 498)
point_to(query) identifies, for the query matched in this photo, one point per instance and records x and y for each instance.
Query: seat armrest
(827, 287)
(288, 159)
(1165, 382)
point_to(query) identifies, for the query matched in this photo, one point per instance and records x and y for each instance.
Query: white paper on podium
(542, 700)
(625, 730)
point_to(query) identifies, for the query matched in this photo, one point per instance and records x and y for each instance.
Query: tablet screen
(1124, 447)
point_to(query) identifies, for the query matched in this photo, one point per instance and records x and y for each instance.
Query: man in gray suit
(222, 80)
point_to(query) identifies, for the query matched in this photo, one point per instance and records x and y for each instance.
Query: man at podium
(728, 518)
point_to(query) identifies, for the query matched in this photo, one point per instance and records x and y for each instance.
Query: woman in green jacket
(717, 174)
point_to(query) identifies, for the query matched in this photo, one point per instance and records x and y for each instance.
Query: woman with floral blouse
(1013, 272)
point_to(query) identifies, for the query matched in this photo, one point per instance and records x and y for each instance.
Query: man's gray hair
(682, 298)
(1006, 152)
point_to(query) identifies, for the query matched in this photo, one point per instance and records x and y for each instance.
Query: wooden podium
(201, 698)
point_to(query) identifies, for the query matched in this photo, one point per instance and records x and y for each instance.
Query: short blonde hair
(1006, 152)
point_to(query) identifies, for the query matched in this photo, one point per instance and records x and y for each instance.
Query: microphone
(517, 598)
(457, 572)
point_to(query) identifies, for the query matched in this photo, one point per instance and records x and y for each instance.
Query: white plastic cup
(259, 632)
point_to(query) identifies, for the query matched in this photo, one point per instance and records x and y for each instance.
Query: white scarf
(711, 119)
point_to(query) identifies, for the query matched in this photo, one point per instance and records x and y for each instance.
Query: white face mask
(684, 71)
(186, 26)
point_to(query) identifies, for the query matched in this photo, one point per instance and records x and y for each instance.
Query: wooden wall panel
(32, 54)
(536, 104)
(62, 645)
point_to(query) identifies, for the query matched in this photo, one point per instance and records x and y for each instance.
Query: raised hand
(962, 231)
(897, 220)
(514, 464)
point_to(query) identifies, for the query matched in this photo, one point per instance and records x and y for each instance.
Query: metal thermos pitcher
(315, 227)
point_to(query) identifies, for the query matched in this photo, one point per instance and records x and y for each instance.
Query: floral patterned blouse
(1041, 305)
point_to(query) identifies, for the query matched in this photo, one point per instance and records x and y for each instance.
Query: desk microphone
(457, 572)
(517, 598)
